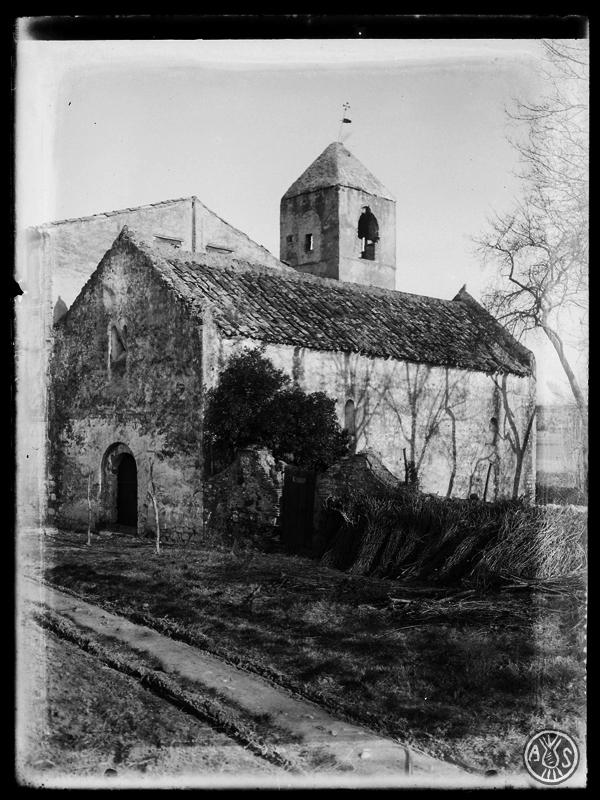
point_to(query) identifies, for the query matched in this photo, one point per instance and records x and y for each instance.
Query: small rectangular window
(217, 248)
(169, 241)
(308, 242)
(290, 238)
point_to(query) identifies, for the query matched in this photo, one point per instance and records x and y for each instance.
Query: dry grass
(462, 675)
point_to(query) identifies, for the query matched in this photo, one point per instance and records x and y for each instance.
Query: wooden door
(297, 504)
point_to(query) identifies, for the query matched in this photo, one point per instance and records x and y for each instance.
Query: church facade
(435, 384)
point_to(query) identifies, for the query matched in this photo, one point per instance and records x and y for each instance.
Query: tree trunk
(487, 482)
(452, 416)
(577, 394)
(153, 498)
(89, 502)
(520, 454)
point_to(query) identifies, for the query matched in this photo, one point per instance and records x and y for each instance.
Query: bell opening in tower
(368, 233)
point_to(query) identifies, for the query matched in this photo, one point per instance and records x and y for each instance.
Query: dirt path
(350, 754)
(125, 732)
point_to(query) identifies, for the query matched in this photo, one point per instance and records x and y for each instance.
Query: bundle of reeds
(404, 533)
(540, 542)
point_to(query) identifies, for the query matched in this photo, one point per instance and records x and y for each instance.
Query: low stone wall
(363, 472)
(242, 503)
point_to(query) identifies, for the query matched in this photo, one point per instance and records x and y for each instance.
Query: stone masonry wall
(313, 213)
(559, 446)
(331, 215)
(153, 407)
(243, 501)
(57, 259)
(382, 270)
(360, 472)
(73, 248)
(212, 231)
(413, 407)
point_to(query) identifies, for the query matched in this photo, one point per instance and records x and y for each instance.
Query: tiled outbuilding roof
(336, 166)
(293, 308)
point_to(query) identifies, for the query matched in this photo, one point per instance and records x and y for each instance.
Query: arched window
(118, 350)
(350, 421)
(368, 233)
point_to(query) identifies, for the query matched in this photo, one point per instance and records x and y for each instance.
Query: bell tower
(338, 221)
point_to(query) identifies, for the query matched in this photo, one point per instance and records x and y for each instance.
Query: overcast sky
(108, 125)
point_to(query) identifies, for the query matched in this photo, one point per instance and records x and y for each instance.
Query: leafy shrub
(255, 403)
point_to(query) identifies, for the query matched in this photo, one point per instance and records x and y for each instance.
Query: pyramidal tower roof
(336, 166)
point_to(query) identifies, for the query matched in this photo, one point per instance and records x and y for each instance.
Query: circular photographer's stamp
(551, 756)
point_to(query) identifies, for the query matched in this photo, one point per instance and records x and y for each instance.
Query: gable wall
(210, 229)
(154, 408)
(75, 247)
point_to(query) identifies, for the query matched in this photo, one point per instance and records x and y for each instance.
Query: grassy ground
(467, 679)
(82, 718)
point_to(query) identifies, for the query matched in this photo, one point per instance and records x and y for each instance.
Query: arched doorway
(119, 495)
(126, 490)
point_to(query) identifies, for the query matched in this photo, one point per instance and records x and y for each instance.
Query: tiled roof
(293, 308)
(336, 166)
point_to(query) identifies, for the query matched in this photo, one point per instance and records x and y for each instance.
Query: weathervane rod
(345, 119)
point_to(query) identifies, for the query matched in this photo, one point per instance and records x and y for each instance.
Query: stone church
(140, 310)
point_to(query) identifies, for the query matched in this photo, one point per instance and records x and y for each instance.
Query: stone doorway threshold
(117, 527)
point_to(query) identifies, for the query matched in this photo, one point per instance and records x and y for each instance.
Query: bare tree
(89, 504)
(540, 249)
(153, 498)
(517, 439)
(417, 410)
(365, 387)
(453, 397)
(419, 405)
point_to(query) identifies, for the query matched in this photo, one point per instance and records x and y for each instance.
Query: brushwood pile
(405, 534)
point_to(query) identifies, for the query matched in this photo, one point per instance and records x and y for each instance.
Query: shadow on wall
(465, 442)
